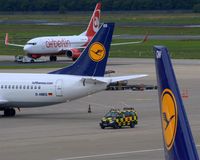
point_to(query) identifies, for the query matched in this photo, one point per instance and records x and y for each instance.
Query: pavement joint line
(113, 154)
(110, 154)
(98, 104)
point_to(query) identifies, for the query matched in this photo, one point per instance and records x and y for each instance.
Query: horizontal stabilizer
(109, 80)
(92, 80)
(124, 78)
(135, 42)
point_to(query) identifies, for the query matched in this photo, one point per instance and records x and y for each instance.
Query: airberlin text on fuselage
(58, 43)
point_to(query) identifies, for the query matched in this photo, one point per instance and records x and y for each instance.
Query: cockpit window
(31, 43)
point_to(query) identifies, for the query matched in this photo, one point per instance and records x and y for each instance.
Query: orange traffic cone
(185, 94)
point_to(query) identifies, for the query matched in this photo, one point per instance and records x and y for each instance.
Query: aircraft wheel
(132, 125)
(9, 112)
(53, 58)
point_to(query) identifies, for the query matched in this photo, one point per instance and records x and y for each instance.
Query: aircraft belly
(28, 104)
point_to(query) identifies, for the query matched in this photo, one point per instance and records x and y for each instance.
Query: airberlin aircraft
(82, 78)
(71, 46)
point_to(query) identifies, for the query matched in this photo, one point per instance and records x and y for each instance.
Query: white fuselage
(54, 44)
(36, 90)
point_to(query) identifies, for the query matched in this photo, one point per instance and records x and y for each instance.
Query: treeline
(84, 5)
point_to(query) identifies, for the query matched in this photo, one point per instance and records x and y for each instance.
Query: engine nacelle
(73, 53)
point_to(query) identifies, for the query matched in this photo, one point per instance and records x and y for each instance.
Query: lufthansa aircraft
(177, 136)
(84, 77)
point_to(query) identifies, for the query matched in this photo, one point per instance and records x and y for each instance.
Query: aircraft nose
(26, 49)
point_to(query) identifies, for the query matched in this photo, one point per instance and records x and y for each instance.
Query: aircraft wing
(135, 42)
(11, 44)
(124, 78)
(91, 80)
(109, 80)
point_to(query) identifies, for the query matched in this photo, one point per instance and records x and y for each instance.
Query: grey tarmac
(67, 132)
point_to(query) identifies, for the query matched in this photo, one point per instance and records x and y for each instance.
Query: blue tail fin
(177, 135)
(93, 59)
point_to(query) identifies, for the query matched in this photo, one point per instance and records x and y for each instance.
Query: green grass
(154, 17)
(33, 66)
(178, 49)
(128, 17)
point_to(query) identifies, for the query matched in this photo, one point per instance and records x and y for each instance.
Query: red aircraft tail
(94, 24)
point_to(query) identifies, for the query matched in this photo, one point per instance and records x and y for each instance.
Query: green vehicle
(116, 118)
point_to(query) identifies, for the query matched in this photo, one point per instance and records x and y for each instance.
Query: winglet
(93, 60)
(145, 38)
(11, 44)
(177, 135)
(6, 39)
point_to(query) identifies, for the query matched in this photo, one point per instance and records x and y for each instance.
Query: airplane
(177, 136)
(71, 46)
(84, 77)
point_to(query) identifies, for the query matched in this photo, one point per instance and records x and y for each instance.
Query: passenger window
(16, 86)
(35, 87)
(5, 86)
(9, 87)
(39, 87)
(24, 87)
(31, 87)
(13, 86)
(1, 86)
(27, 87)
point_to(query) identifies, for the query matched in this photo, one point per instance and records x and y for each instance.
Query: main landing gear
(9, 112)
(53, 58)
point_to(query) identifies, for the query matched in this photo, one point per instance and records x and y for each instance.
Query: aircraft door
(59, 87)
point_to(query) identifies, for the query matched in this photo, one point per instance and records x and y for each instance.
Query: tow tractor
(27, 59)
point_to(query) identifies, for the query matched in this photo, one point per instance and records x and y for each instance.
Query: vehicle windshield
(111, 114)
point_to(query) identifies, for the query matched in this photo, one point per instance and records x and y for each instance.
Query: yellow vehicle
(117, 118)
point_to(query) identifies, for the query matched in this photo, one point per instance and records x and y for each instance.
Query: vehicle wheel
(115, 126)
(102, 127)
(32, 60)
(132, 125)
